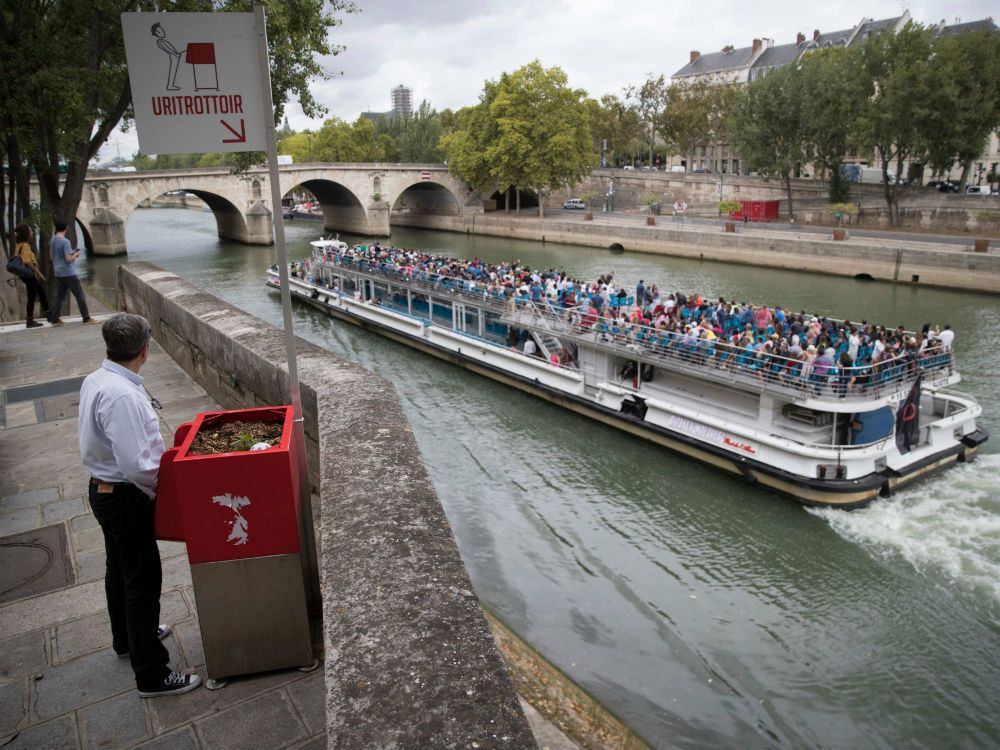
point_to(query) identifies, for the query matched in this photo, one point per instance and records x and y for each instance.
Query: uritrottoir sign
(196, 82)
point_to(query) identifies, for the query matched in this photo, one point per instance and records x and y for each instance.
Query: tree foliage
(835, 93)
(696, 113)
(768, 126)
(530, 131)
(647, 103)
(64, 84)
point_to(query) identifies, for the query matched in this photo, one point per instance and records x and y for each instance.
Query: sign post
(201, 83)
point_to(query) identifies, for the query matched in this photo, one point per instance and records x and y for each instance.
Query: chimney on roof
(815, 35)
(799, 38)
(756, 47)
(695, 54)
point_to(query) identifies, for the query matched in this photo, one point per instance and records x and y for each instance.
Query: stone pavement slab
(118, 722)
(261, 722)
(59, 734)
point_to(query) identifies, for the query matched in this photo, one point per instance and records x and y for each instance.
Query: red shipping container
(757, 211)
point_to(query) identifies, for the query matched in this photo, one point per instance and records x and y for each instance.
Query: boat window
(871, 426)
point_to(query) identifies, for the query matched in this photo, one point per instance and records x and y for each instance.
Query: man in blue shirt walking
(64, 264)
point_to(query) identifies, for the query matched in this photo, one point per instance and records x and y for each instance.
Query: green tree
(969, 64)
(530, 131)
(648, 102)
(612, 120)
(907, 110)
(835, 91)
(767, 127)
(697, 113)
(64, 85)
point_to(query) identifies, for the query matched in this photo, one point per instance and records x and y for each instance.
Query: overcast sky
(445, 49)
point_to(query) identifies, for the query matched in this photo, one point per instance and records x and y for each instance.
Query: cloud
(445, 50)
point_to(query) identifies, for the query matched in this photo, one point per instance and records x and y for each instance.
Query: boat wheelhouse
(825, 436)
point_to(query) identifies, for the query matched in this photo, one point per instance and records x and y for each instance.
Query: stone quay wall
(410, 659)
(882, 260)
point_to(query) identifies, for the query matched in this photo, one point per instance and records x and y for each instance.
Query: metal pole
(308, 541)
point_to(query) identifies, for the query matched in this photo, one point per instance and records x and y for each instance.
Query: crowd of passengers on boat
(773, 343)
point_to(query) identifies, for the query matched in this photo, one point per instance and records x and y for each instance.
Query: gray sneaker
(174, 683)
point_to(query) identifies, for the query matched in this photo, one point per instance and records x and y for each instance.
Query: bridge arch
(343, 210)
(425, 197)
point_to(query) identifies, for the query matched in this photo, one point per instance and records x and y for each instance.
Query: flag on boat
(908, 419)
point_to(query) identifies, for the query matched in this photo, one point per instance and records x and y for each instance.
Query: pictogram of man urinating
(199, 55)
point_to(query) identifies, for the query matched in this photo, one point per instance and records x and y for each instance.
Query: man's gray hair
(125, 334)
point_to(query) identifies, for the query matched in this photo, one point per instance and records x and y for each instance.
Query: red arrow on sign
(241, 137)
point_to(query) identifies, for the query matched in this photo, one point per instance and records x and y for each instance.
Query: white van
(977, 189)
(678, 168)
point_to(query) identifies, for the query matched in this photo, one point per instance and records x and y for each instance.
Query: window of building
(725, 166)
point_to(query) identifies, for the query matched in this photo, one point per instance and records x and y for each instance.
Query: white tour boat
(839, 441)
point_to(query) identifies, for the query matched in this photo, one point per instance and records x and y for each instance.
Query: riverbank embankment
(896, 261)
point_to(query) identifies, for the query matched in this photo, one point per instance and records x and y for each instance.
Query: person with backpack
(33, 282)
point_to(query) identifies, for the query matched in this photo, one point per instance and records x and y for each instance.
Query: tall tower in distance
(402, 101)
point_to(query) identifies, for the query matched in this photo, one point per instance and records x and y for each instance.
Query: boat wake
(947, 528)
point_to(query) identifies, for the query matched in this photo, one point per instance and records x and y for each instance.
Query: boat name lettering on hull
(708, 433)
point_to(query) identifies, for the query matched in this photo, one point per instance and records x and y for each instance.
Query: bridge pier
(107, 233)
(354, 220)
(256, 229)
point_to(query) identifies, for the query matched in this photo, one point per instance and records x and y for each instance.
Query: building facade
(739, 66)
(402, 101)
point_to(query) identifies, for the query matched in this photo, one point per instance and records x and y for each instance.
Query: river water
(703, 611)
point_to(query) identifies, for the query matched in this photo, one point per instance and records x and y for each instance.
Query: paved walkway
(61, 685)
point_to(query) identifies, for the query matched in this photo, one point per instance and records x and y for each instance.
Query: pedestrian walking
(33, 284)
(64, 264)
(121, 447)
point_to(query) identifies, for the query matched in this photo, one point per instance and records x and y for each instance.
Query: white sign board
(196, 83)
(680, 207)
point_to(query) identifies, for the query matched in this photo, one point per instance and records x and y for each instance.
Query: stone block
(23, 656)
(176, 573)
(86, 521)
(13, 705)
(83, 636)
(20, 415)
(114, 723)
(21, 519)
(173, 608)
(171, 549)
(29, 499)
(314, 743)
(91, 566)
(309, 697)
(45, 610)
(266, 721)
(182, 739)
(188, 635)
(182, 709)
(88, 540)
(60, 734)
(63, 510)
(81, 682)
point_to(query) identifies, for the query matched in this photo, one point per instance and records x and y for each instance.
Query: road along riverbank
(923, 264)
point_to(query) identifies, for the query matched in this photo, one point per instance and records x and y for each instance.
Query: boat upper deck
(740, 363)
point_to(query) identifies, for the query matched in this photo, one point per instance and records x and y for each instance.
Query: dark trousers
(71, 284)
(35, 290)
(133, 579)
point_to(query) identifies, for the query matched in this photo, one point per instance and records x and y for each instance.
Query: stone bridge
(355, 198)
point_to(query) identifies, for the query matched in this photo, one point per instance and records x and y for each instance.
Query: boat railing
(723, 361)
(717, 359)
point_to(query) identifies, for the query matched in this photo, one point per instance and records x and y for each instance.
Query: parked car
(977, 189)
(702, 171)
(678, 168)
(947, 186)
(575, 203)
(628, 166)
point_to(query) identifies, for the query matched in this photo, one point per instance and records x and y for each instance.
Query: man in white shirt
(121, 447)
(946, 337)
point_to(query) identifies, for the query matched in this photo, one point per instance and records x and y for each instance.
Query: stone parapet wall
(410, 660)
(937, 265)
